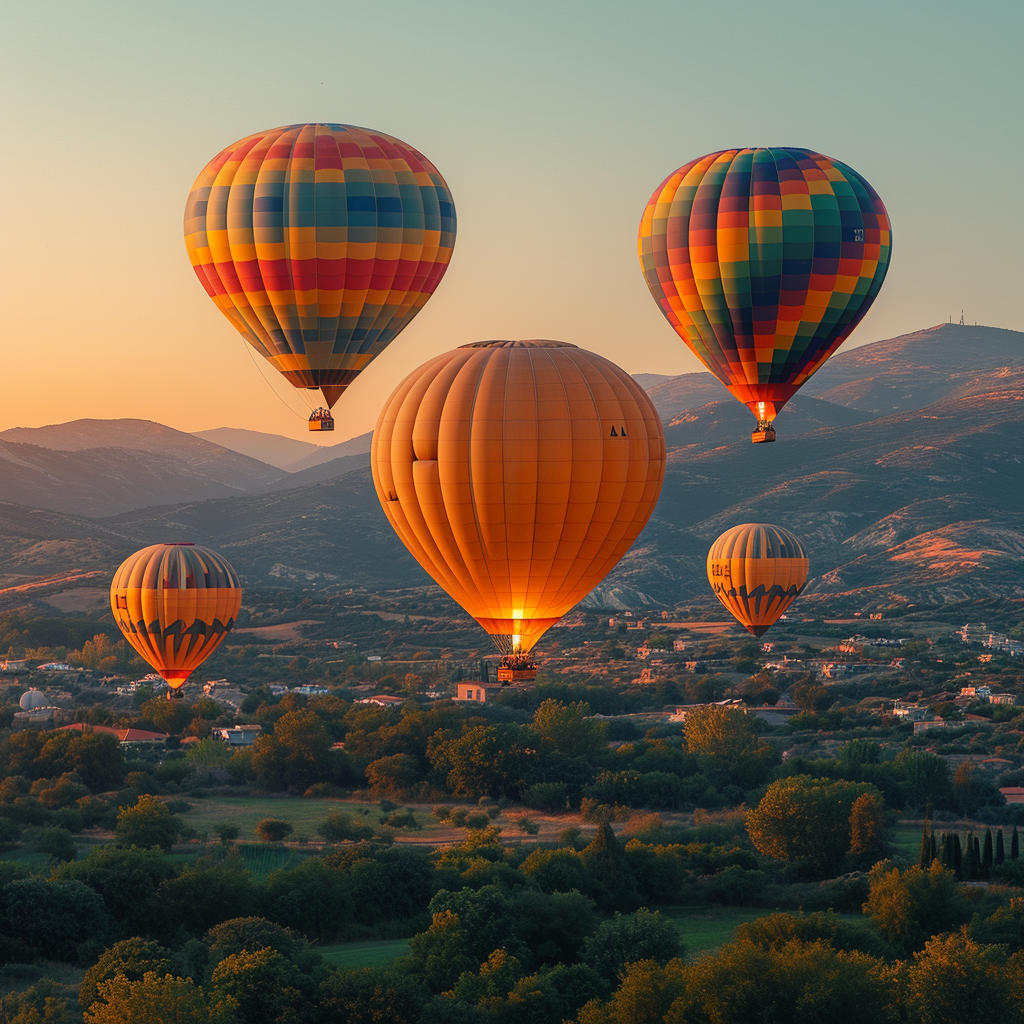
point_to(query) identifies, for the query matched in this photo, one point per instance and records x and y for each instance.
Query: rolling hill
(904, 483)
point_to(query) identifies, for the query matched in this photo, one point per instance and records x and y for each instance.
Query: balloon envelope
(764, 261)
(757, 571)
(518, 473)
(319, 242)
(175, 603)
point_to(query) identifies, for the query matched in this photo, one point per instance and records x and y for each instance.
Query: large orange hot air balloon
(320, 242)
(757, 571)
(518, 473)
(175, 603)
(764, 261)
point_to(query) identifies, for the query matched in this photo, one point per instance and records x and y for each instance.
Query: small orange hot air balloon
(757, 571)
(175, 603)
(518, 473)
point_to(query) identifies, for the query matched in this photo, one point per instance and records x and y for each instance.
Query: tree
(625, 939)
(728, 736)
(808, 820)
(1000, 855)
(131, 958)
(374, 996)
(148, 823)
(337, 828)
(157, 1000)
(908, 906)
(127, 881)
(273, 830)
(267, 987)
(240, 933)
(965, 789)
(58, 843)
(296, 755)
(38, 1004)
(488, 760)
(956, 979)
(867, 828)
(569, 728)
(51, 917)
(612, 883)
(393, 775)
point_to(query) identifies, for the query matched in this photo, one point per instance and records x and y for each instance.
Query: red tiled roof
(124, 735)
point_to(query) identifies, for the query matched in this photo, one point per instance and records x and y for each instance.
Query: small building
(125, 736)
(645, 678)
(973, 633)
(910, 712)
(643, 651)
(381, 700)
(238, 735)
(13, 665)
(55, 666)
(678, 645)
(478, 691)
(1002, 698)
(309, 690)
(1013, 794)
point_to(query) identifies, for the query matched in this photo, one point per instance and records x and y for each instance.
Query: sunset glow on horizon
(551, 131)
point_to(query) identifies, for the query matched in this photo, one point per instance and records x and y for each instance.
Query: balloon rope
(260, 371)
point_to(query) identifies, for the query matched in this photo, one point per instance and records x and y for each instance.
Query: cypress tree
(967, 859)
(986, 855)
(958, 857)
(976, 857)
(1014, 845)
(1000, 850)
(925, 858)
(934, 847)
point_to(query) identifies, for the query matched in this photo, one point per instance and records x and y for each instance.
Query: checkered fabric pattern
(320, 242)
(764, 261)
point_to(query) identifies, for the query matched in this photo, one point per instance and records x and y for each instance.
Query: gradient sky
(552, 123)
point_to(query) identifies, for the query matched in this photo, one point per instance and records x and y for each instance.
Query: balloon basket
(763, 435)
(321, 419)
(516, 669)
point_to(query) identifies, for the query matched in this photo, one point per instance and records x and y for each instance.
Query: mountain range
(898, 464)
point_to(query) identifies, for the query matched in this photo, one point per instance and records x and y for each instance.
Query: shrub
(339, 828)
(441, 812)
(477, 820)
(406, 819)
(273, 830)
(547, 796)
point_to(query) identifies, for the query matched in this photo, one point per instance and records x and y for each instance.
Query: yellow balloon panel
(757, 571)
(518, 474)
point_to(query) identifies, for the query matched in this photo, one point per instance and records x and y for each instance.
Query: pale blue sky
(552, 123)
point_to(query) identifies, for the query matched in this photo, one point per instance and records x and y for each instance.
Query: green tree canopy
(808, 820)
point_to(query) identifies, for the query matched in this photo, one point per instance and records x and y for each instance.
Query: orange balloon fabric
(518, 473)
(175, 603)
(757, 571)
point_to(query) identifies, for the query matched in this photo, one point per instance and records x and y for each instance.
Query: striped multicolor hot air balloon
(757, 571)
(175, 603)
(764, 261)
(320, 242)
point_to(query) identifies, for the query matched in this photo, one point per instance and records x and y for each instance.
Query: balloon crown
(179, 544)
(535, 343)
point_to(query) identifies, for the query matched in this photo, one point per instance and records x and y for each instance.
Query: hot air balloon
(757, 571)
(764, 261)
(175, 603)
(518, 473)
(320, 242)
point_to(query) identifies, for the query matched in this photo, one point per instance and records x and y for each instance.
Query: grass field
(302, 814)
(365, 954)
(708, 927)
(906, 841)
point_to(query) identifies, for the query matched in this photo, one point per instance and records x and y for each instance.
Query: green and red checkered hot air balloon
(320, 242)
(764, 261)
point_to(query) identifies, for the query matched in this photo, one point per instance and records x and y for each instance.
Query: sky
(552, 123)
